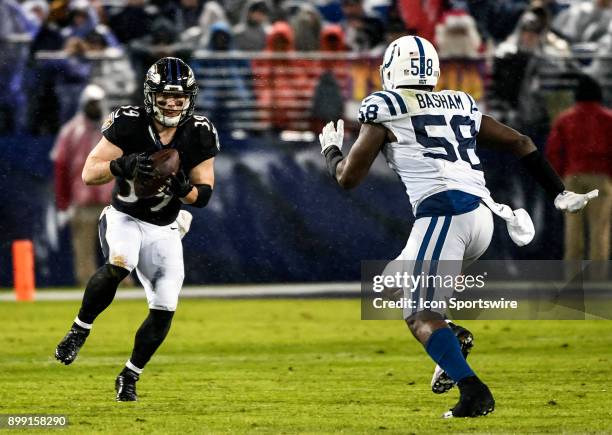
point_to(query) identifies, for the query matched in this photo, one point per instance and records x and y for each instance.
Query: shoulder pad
(205, 128)
(382, 106)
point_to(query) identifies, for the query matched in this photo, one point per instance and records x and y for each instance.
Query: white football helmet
(409, 61)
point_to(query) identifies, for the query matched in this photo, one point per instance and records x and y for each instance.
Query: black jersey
(131, 129)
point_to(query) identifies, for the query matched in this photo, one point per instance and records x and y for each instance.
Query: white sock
(132, 367)
(82, 324)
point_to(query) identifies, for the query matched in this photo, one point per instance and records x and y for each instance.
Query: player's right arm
(349, 172)
(97, 166)
(107, 160)
(497, 136)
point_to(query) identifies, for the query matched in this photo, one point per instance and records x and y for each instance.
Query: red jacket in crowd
(76, 139)
(581, 140)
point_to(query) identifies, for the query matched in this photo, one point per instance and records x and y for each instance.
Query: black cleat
(68, 349)
(440, 381)
(475, 399)
(125, 386)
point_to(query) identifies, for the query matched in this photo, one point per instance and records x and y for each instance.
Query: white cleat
(440, 381)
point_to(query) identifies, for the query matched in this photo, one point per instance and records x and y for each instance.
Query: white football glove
(332, 136)
(573, 202)
(183, 220)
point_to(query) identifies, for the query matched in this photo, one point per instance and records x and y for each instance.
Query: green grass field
(307, 366)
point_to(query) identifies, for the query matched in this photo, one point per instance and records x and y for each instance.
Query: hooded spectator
(250, 34)
(225, 83)
(283, 85)
(332, 85)
(307, 28)
(74, 200)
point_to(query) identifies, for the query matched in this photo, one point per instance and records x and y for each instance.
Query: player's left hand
(332, 136)
(573, 202)
(179, 184)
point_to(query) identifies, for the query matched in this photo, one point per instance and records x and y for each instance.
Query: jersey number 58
(464, 143)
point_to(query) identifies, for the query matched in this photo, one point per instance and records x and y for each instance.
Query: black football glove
(179, 184)
(130, 165)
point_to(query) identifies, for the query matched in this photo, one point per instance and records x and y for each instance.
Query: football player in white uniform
(429, 139)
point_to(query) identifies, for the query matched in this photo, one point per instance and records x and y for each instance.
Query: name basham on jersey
(436, 133)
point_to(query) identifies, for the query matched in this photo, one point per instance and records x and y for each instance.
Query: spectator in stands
(43, 104)
(250, 33)
(332, 88)
(75, 201)
(497, 19)
(580, 149)
(584, 21)
(212, 13)
(72, 74)
(423, 15)
(162, 41)
(601, 67)
(36, 11)
(518, 66)
(283, 87)
(225, 84)
(16, 27)
(111, 70)
(185, 14)
(332, 41)
(458, 45)
(83, 21)
(306, 26)
(363, 33)
(133, 21)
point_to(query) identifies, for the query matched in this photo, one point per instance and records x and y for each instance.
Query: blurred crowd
(521, 54)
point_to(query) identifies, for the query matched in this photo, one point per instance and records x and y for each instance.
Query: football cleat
(440, 381)
(68, 349)
(475, 399)
(125, 386)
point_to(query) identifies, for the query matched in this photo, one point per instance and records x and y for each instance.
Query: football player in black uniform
(144, 233)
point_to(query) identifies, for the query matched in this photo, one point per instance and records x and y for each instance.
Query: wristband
(204, 193)
(333, 156)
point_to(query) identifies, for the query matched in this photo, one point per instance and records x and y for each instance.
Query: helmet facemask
(178, 103)
(167, 81)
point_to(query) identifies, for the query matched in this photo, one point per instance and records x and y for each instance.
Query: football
(165, 163)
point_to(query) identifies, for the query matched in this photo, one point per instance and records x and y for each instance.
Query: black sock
(100, 291)
(150, 335)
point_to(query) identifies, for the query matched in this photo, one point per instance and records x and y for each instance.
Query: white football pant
(156, 252)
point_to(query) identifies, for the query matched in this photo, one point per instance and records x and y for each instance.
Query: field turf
(299, 366)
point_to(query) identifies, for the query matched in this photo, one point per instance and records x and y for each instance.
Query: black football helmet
(170, 75)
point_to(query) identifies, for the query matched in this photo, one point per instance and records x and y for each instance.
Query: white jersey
(436, 140)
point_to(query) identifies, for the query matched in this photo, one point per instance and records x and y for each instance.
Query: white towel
(519, 223)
